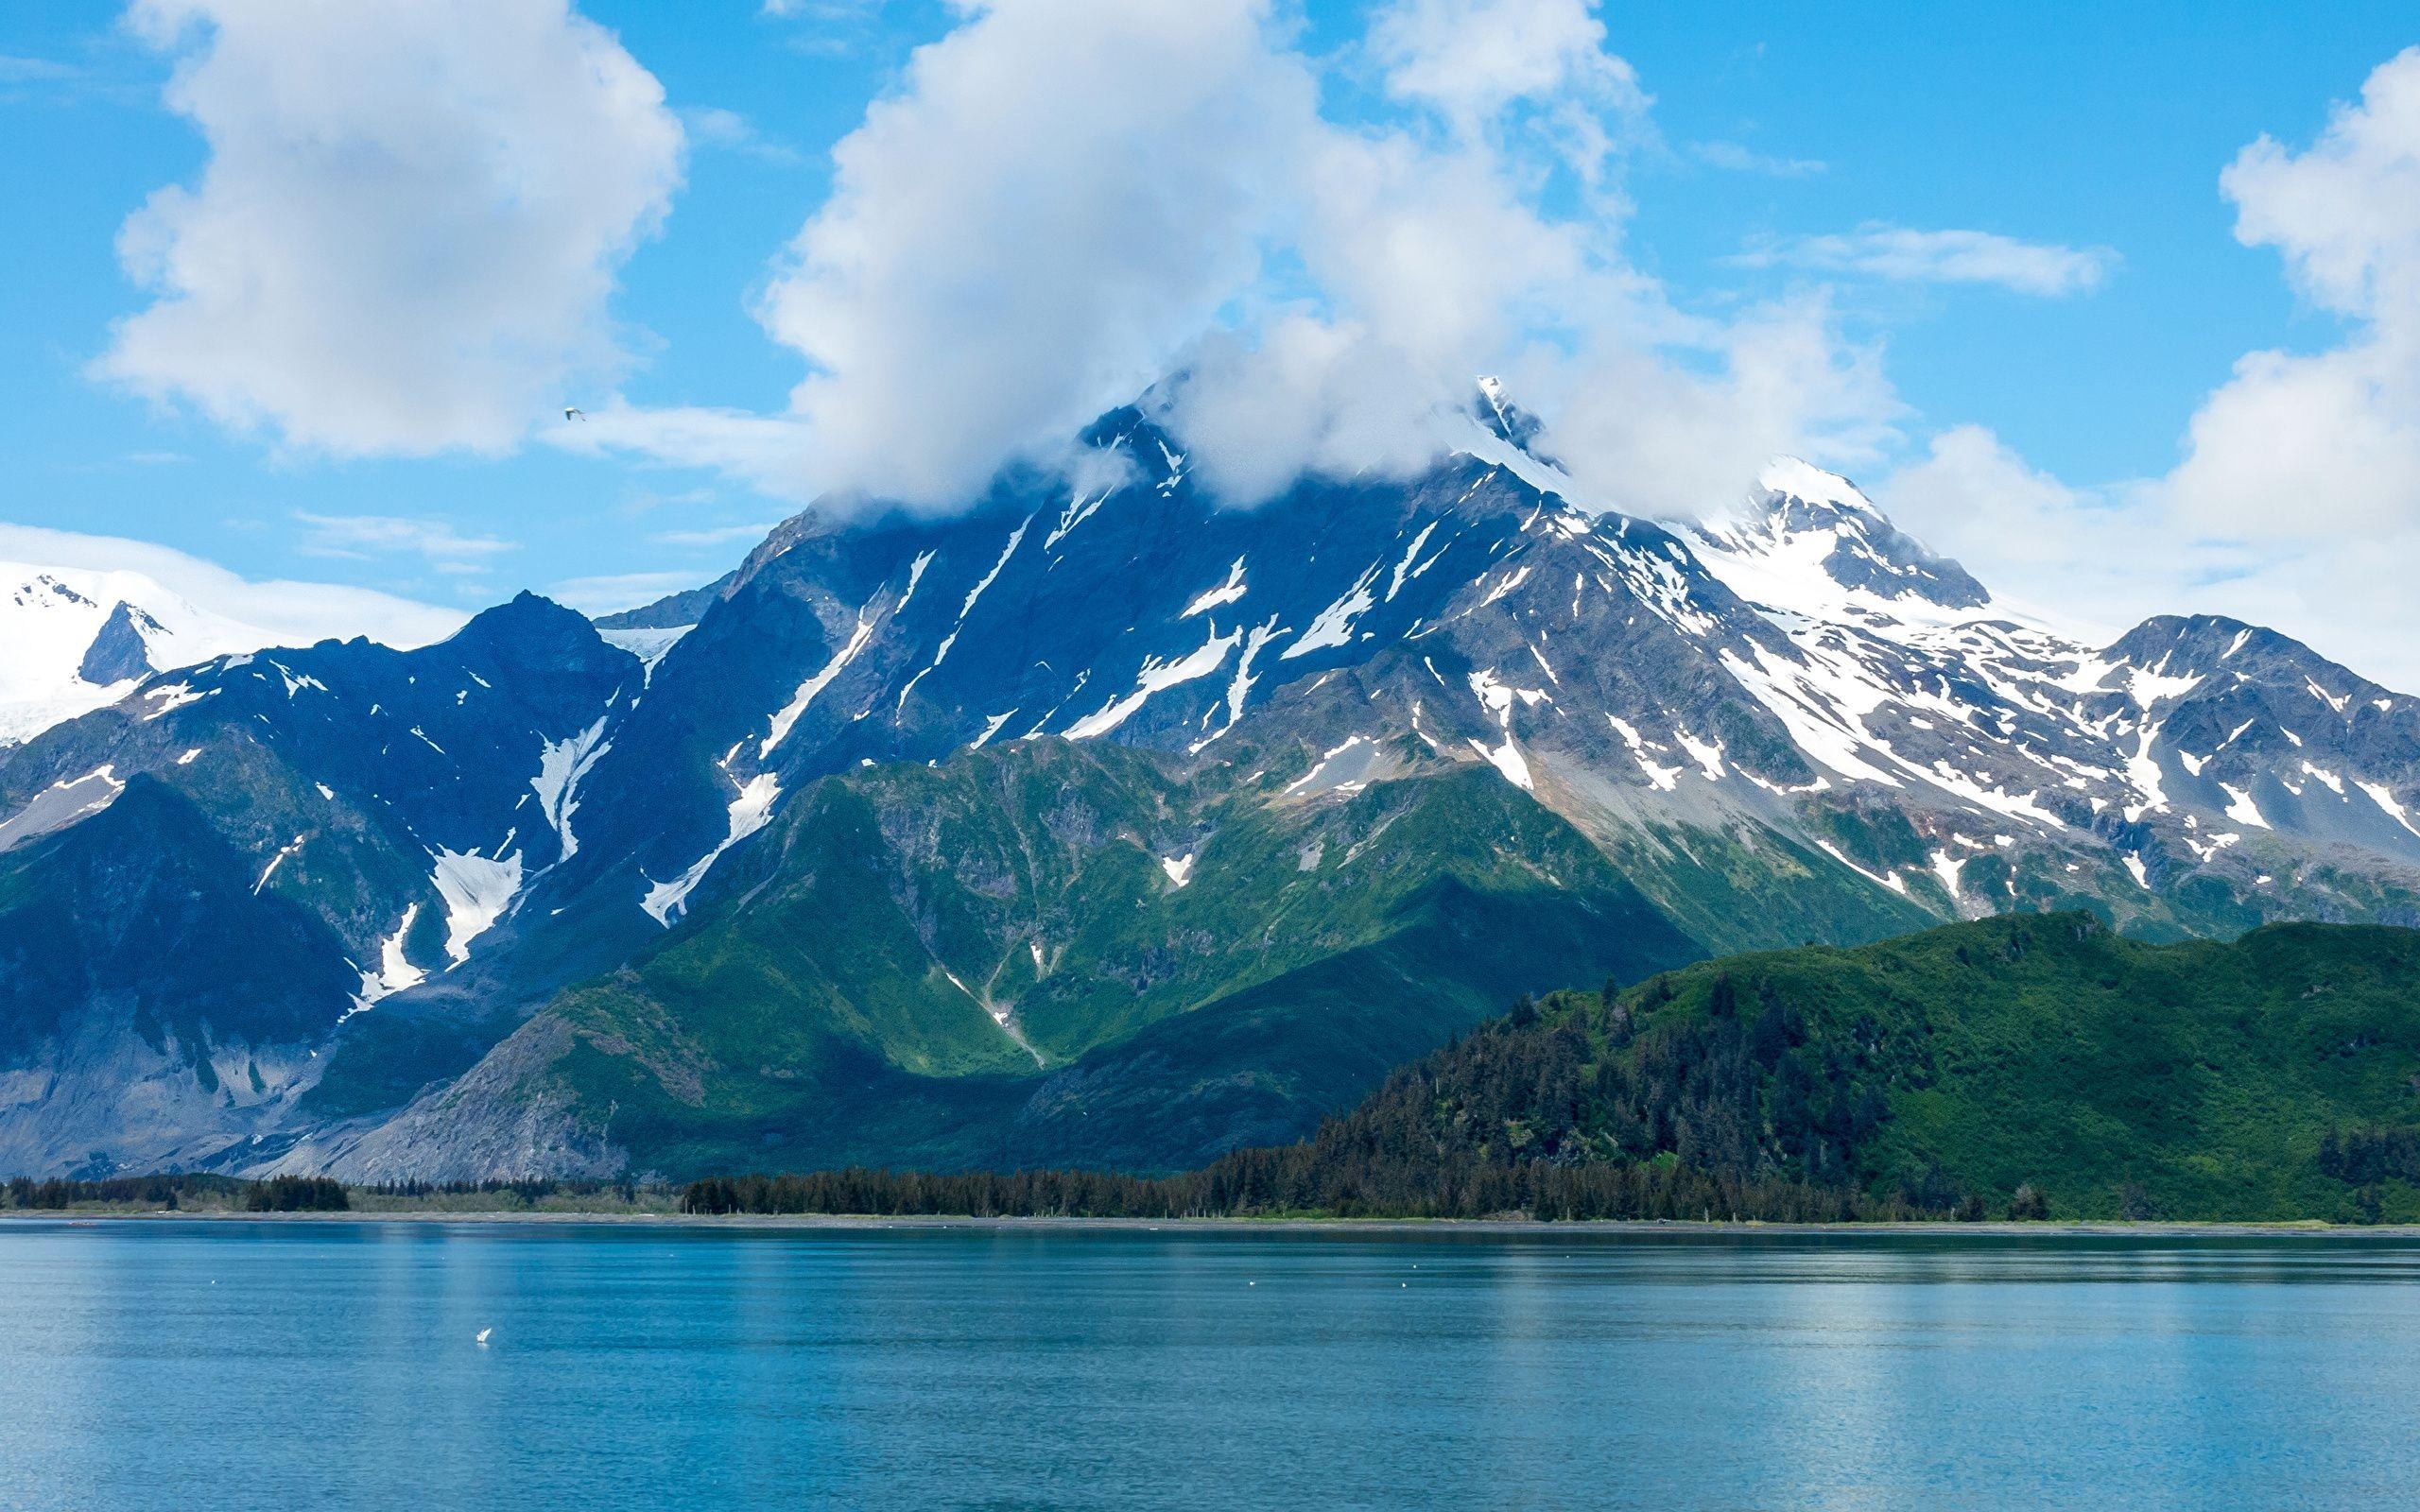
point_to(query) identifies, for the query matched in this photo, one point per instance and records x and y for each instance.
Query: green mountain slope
(2274, 1077)
(1007, 959)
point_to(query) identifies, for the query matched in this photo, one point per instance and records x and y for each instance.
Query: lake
(224, 1365)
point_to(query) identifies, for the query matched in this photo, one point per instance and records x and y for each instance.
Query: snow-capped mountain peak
(1809, 542)
(73, 639)
(1786, 477)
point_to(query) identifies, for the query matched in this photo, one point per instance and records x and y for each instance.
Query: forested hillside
(2022, 1066)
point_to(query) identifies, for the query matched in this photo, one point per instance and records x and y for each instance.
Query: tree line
(1588, 1106)
(166, 1191)
(1280, 1182)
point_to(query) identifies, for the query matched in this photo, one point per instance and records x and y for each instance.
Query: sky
(2118, 305)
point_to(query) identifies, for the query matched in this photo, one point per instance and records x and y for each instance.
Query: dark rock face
(119, 652)
(155, 1006)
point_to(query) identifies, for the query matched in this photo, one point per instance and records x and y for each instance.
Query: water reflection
(334, 1365)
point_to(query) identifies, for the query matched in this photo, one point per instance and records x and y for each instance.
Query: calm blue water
(196, 1366)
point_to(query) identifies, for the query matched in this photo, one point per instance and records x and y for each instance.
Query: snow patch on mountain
(1332, 625)
(749, 812)
(62, 803)
(560, 766)
(2386, 801)
(291, 848)
(396, 972)
(1157, 677)
(476, 890)
(786, 717)
(1226, 593)
(650, 645)
(976, 594)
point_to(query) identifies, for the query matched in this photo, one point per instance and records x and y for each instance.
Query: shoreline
(1629, 1228)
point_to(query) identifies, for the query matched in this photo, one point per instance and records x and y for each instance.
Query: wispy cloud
(822, 10)
(364, 536)
(1903, 255)
(56, 82)
(1734, 157)
(832, 27)
(720, 536)
(711, 125)
(612, 594)
(15, 70)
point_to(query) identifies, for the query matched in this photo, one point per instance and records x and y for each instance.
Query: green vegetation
(2022, 1066)
(1293, 1182)
(297, 1193)
(1959, 1067)
(986, 964)
(201, 1192)
(2025, 1067)
(206, 1194)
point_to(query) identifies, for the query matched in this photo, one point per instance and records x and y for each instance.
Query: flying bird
(482, 1339)
(571, 414)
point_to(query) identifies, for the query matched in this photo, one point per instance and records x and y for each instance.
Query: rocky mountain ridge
(534, 855)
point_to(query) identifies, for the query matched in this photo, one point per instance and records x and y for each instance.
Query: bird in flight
(575, 414)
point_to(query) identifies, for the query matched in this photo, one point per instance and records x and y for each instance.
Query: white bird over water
(482, 1340)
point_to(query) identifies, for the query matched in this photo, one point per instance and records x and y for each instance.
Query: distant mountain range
(1098, 827)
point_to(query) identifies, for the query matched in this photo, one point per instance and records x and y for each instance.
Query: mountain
(348, 818)
(2265, 1079)
(1113, 826)
(77, 640)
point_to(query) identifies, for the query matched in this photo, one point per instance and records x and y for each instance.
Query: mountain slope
(2270, 1079)
(150, 999)
(1052, 953)
(817, 817)
(364, 818)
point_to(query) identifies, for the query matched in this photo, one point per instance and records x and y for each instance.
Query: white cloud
(1067, 201)
(711, 125)
(1062, 194)
(2297, 443)
(1734, 157)
(1427, 262)
(362, 537)
(409, 221)
(1472, 60)
(2080, 556)
(1654, 437)
(2297, 503)
(1058, 197)
(717, 535)
(1436, 263)
(1898, 252)
(290, 613)
(2097, 560)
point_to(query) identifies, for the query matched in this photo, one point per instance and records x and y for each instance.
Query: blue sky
(1742, 138)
